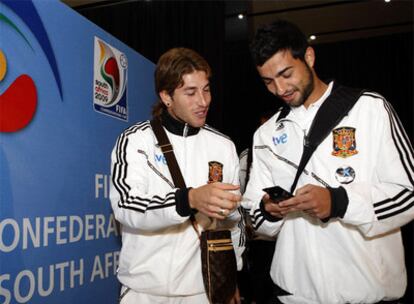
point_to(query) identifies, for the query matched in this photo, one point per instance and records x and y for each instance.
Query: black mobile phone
(277, 193)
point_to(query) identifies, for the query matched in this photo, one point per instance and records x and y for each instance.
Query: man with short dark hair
(338, 238)
(160, 260)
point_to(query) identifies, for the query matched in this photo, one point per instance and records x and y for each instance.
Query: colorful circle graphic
(18, 102)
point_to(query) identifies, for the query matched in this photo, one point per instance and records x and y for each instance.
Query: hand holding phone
(277, 194)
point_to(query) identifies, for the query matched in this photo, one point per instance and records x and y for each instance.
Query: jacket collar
(177, 127)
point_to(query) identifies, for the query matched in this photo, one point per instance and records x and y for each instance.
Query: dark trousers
(255, 284)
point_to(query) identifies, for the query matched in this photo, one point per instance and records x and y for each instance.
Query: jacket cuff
(339, 203)
(182, 205)
(267, 216)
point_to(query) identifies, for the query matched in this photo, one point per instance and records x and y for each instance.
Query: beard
(305, 90)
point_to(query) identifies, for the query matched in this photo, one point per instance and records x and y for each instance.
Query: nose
(204, 98)
(280, 86)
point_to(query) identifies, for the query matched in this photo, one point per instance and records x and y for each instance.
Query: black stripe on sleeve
(119, 175)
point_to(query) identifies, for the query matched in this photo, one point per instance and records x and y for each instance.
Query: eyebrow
(190, 88)
(278, 74)
(284, 70)
(195, 88)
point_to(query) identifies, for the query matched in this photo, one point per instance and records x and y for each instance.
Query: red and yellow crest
(344, 144)
(215, 172)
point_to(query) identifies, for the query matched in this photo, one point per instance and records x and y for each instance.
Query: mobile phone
(277, 193)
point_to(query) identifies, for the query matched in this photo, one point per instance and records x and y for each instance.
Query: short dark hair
(278, 36)
(171, 68)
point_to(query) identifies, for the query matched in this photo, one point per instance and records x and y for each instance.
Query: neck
(318, 90)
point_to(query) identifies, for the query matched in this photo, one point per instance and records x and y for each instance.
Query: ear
(165, 98)
(310, 56)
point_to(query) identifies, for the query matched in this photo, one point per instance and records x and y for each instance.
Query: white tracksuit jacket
(160, 252)
(355, 259)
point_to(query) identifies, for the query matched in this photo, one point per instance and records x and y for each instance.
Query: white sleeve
(385, 202)
(237, 232)
(243, 169)
(235, 220)
(133, 206)
(260, 177)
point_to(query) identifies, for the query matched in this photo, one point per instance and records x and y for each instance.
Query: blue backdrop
(67, 90)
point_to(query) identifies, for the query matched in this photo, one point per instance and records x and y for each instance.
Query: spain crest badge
(344, 143)
(215, 172)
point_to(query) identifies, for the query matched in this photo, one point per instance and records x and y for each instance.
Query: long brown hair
(171, 68)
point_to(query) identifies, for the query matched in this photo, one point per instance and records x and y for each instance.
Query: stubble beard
(307, 89)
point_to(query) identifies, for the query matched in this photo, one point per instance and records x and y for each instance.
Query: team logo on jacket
(345, 175)
(215, 172)
(344, 144)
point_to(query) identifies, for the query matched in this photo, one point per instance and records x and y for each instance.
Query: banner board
(67, 90)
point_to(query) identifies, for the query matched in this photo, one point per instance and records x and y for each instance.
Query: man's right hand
(214, 200)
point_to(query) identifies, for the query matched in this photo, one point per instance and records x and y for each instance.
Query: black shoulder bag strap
(168, 151)
(334, 108)
(284, 111)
